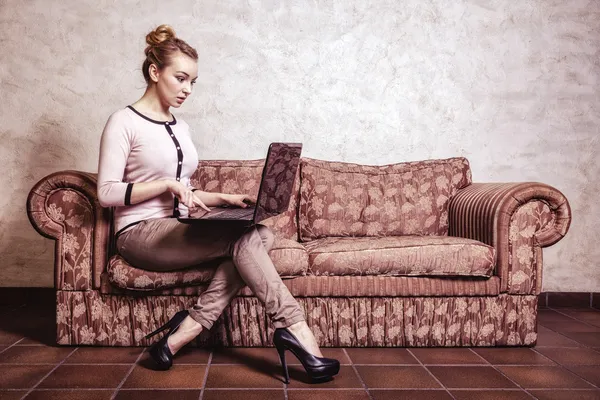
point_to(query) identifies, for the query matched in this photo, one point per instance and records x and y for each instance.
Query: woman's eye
(193, 82)
(181, 79)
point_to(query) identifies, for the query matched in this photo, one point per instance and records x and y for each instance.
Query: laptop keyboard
(230, 213)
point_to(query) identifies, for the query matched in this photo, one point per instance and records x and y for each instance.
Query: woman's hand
(184, 194)
(238, 200)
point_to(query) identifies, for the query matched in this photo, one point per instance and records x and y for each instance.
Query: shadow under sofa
(412, 254)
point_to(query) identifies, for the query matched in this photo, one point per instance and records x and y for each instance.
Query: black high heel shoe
(317, 368)
(159, 351)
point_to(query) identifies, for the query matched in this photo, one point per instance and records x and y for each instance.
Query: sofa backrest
(243, 176)
(344, 199)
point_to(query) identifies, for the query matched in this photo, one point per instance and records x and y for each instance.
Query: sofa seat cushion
(290, 259)
(400, 256)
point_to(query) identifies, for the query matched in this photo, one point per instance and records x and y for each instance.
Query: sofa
(411, 254)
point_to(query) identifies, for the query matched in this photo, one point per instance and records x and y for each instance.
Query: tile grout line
(362, 382)
(48, 374)
(573, 318)
(562, 334)
(127, 374)
(431, 373)
(205, 379)
(503, 374)
(567, 369)
(12, 345)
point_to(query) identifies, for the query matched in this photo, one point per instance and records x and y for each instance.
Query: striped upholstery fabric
(352, 286)
(484, 211)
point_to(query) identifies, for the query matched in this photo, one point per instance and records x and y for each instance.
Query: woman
(146, 160)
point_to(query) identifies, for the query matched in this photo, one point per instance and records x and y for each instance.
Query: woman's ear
(153, 72)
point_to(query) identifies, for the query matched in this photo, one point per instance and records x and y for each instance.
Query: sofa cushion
(343, 199)
(290, 259)
(243, 176)
(401, 255)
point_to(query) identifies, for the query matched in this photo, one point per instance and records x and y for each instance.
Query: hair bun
(159, 35)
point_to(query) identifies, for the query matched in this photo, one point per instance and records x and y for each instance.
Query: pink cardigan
(135, 148)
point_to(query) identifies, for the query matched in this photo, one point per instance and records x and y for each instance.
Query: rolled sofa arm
(64, 206)
(517, 219)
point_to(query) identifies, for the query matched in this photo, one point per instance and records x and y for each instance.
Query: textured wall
(512, 85)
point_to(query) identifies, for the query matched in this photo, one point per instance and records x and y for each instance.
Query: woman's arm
(212, 199)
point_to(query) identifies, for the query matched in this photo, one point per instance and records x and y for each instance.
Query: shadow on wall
(49, 145)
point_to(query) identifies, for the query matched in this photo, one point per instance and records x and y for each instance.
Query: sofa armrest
(517, 219)
(64, 206)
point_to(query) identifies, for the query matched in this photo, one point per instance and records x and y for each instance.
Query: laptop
(274, 193)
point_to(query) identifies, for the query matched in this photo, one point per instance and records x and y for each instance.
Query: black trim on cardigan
(128, 194)
(179, 165)
(152, 120)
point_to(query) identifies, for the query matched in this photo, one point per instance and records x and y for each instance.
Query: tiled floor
(564, 365)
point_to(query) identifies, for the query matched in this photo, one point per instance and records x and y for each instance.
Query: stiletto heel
(284, 365)
(317, 368)
(159, 351)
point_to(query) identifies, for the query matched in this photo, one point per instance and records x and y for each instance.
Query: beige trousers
(165, 244)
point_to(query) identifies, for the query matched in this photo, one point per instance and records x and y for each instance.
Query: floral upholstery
(401, 255)
(341, 199)
(290, 259)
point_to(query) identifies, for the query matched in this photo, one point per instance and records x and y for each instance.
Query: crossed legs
(166, 244)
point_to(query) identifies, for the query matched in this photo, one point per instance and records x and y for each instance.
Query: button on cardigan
(135, 148)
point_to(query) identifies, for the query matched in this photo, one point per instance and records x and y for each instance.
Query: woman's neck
(149, 104)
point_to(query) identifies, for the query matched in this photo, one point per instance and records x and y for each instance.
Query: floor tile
(70, 395)
(336, 394)
(345, 379)
(158, 394)
(513, 356)
(242, 376)
(381, 356)
(543, 377)
(7, 338)
(22, 376)
(261, 394)
(578, 356)
(589, 373)
(104, 355)
(566, 394)
(329, 352)
(35, 355)
(85, 376)
(571, 326)
(397, 377)
(490, 394)
(591, 339)
(178, 377)
(471, 377)
(410, 394)
(589, 316)
(187, 355)
(245, 356)
(12, 394)
(447, 356)
(192, 355)
(547, 337)
(547, 315)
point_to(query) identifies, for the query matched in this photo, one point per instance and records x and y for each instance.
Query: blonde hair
(163, 44)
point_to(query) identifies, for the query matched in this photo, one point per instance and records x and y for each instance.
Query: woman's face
(175, 82)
